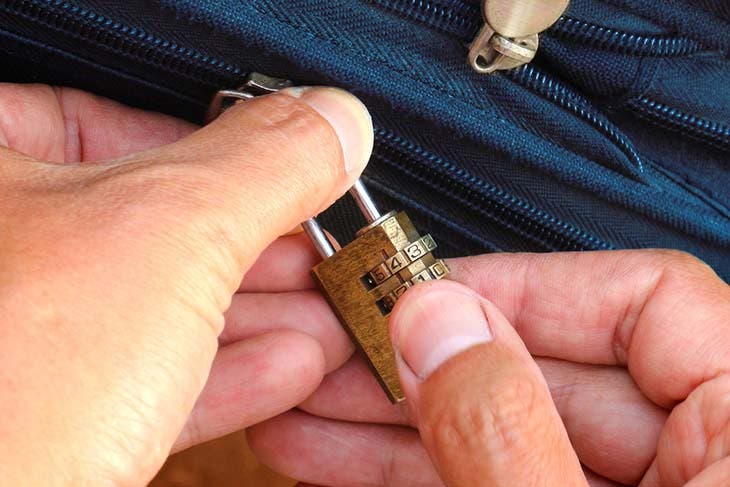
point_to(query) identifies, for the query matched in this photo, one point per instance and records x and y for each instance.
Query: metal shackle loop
(256, 84)
(365, 202)
(319, 238)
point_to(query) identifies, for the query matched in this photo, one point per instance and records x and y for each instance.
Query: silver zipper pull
(254, 84)
(509, 37)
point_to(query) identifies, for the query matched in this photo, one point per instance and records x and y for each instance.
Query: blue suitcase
(617, 135)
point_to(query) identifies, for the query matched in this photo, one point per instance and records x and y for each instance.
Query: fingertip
(478, 398)
(349, 118)
(306, 358)
(254, 380)
(288, 156)
(435, 322)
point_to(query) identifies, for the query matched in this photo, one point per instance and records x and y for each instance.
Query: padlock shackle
(365, 202)
(319, 239)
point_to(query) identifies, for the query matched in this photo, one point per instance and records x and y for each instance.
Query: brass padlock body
(362, 281)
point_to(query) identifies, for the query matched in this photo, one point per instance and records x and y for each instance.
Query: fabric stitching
(662, 23)
(451, 95)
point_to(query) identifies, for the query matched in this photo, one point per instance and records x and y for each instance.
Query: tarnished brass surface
(363, 280)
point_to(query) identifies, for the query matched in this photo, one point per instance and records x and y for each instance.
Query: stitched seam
(661, 23)
(97, 65)
(440, 89)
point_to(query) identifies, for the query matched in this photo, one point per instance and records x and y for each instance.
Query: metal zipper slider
(509, 37)
(254, 84)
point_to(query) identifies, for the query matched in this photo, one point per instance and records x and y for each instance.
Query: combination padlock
(363, 280)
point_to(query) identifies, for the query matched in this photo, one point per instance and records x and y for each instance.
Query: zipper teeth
(716, 133)
(373, 183)
(84, 24)
(464, 24)
(554, 90)
(457, 17)
(464, 20)
(467, 22)
(530, 77)
(623, 42)
(524, 219)
(87, 25)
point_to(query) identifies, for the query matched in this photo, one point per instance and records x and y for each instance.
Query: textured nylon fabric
(617, 137)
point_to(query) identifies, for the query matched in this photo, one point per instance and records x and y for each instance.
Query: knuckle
(494, 421)
(289, 130)
(678, 270)
(679, 258)
(677, 265)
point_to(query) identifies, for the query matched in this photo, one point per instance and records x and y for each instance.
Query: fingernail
(437, 325)
(349, 118)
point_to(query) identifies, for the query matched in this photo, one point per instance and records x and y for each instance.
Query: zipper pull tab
(254, 84)
(509, 37)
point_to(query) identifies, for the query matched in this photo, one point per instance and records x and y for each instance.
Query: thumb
(266, 165)
(482, 407)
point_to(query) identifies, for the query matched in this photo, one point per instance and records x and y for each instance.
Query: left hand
(124, 236)
(633, 345)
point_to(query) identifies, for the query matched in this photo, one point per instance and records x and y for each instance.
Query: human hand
(115, 273)
(634, 348)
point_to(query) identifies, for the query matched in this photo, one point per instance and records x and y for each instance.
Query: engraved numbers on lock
(387, 304)
(439, 269)
(416, 251)
(394, 264)
(436, 271)
(380, 274)
(397, 262)
(420, 248)
(376, 277)
(422, 276)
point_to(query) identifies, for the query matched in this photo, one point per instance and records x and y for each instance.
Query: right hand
(633, 354)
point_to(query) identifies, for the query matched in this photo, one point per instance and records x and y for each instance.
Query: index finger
(663, 314)
(67, 125)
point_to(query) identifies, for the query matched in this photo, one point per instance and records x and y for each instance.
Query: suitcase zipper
(623, 42)
(408, 159)
(88, 26)
(462, 20)
(698, 128)
(478, 196)
(85, 25)
(520, 217)
(457, 18)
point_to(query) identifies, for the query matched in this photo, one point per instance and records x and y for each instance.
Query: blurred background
(227, 462)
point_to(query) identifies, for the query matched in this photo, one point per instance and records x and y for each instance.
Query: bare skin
(124, 237)
(629, 376)
(129, 331)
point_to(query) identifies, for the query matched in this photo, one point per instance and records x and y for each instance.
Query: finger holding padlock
(363, 280)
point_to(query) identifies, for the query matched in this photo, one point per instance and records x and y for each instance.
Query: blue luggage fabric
(616, 136)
